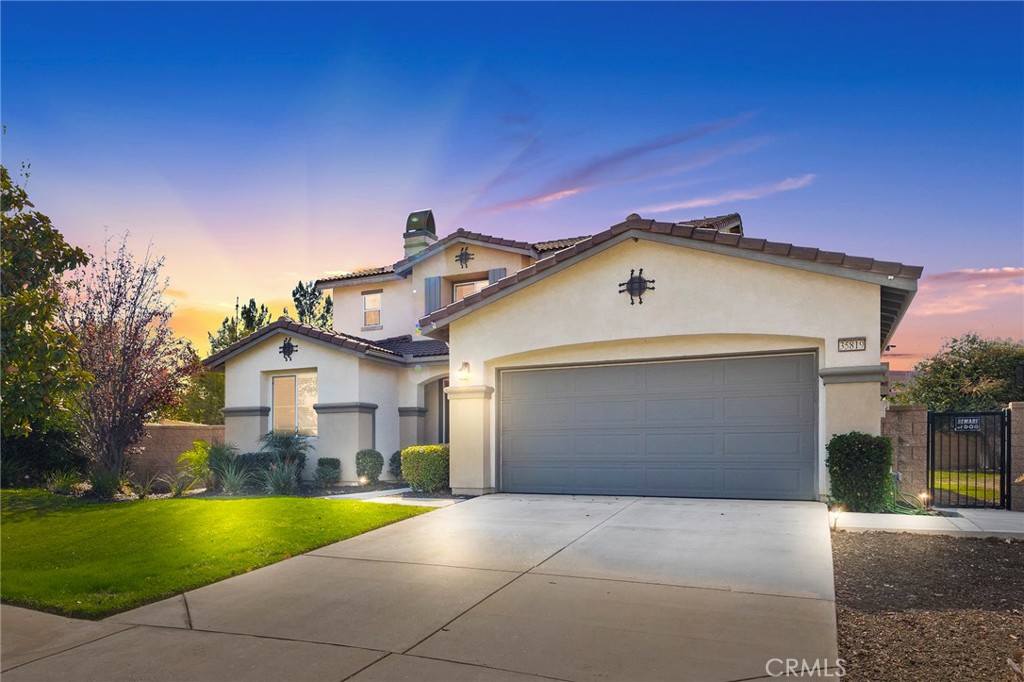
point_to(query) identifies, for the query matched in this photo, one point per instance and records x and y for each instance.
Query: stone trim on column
(256, 411)
(332, 408)
(412, 411)
(860, 374)
(412, 426)
(459, 392)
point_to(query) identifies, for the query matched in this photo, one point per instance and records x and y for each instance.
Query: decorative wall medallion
(463, 257)
(636, 286)
(288, 348)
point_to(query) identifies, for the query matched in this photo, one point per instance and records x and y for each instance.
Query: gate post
(907, 427)
(1015, 453)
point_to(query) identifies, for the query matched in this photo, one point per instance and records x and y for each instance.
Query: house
(650, 358)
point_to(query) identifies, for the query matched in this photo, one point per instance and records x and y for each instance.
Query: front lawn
(979, 485)
(90, 560)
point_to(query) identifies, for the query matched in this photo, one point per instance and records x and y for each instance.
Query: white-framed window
(371, 309)
(461, 290)
(292, 400)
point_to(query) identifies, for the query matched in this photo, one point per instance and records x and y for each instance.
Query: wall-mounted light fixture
(464, 372)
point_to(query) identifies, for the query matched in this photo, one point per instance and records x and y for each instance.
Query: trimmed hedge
(395, 465)
(859, 467)
(425, 467)
(328, 471)
(369, 463)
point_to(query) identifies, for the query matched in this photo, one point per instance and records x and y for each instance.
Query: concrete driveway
(502, 587)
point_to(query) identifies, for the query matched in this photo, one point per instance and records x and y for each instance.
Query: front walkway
(502, 587)
(959, 522)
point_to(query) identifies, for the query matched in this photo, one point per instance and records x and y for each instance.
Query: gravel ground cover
(928, 607)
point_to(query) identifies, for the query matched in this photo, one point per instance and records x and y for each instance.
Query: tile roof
(353, 343)
(684, 231)
(420, 348)
(358, 274)
(726, 223)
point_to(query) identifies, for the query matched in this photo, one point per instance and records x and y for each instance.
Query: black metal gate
(968, 459)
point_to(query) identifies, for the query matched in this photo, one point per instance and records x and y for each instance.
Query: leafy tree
(200, 400)
(36, 358)
(968, 373)
(246, 320)
(312, 307)
(138, 366)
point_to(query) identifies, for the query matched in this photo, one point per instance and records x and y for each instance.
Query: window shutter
(432, 294)
(495, 274)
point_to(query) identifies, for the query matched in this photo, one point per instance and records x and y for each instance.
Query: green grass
(90, 559)
(976, 484)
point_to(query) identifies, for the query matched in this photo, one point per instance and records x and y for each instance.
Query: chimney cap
(633, 216)
(421, 221)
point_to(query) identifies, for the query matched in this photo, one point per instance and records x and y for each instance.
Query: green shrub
(328, 471)
(859, 469)
(143, 486)
(395, 465)
(218, 456)
(235, 476)
(204, 459)
(28, 459)
(282, 478)
(425, 467)
(287, 446)
(179, 483)
(369, 464)
(62, 482)
(105, 484)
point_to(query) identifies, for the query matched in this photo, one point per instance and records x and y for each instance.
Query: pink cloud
(963, 291)
(748, 194)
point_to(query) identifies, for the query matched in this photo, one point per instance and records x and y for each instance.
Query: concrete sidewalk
(958, 522)
(501, 587)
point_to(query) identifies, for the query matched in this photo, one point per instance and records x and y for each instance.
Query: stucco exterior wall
(399, 313)
(704, 304)
(346, 385)
(443, 265)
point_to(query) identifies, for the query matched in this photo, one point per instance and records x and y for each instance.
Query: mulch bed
(928, 607)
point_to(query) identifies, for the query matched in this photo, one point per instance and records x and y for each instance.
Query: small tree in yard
(125, 342)
(968, 373)
(311, 306)
(36, 357)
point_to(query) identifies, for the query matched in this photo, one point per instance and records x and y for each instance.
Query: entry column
(470, 432)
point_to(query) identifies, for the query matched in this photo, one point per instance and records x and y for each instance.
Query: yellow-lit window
(461, 290)
(371, 309)
(293, 398)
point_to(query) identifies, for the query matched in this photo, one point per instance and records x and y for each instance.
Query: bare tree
(119, 316)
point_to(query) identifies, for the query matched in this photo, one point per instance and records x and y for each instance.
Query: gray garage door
(738, 427)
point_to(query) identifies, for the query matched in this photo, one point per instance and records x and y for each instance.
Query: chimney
(419, 232)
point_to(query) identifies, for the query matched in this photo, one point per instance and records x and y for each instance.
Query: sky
(257, 144)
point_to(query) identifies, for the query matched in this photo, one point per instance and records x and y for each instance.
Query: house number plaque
(853, 343)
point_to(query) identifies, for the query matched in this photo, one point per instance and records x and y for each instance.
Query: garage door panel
(682, 445)
(669, 377)
(761, 482)
(538, 447)
(606, 379)
(536, 414)
(694, 411)
(767, 446)
(753, 371)
(761, 408)
(738, 427)
(692, 481)
(611, 447)
(606, 411)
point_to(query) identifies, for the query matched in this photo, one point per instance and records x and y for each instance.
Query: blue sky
(257, 143)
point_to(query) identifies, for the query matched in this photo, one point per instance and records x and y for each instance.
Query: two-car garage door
(736, 427)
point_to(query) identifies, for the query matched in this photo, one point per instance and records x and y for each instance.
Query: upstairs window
(293, 398)
(461, 290)
(371, 309)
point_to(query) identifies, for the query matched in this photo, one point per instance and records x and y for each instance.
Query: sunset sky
(255, 144)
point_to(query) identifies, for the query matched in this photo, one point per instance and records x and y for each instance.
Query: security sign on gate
(967, 423)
